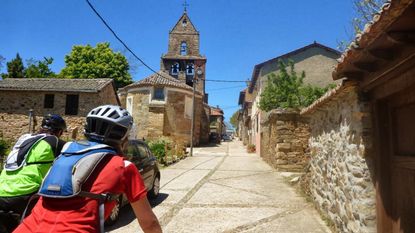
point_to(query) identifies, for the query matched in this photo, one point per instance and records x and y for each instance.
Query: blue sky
(234, 34)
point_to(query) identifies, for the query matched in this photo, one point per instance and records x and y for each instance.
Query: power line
(118, 38)
(225, 88)
(142, 62)
(227, 81)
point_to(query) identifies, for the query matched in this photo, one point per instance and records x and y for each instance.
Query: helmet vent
(105, 111)
(114, 115)
(103, 128)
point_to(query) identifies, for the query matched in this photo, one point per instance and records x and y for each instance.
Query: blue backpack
(72, 168)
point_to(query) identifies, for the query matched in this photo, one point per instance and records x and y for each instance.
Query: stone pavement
(225, 189)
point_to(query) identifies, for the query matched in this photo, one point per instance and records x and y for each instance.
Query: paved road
(225, 189)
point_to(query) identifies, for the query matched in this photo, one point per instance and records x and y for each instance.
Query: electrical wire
(227, 81)
(118, 38)
(138, 58)
(224, 88)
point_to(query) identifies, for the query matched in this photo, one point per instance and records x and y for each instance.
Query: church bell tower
(183, 60)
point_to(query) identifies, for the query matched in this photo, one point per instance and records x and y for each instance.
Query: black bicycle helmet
(53, 122)
(108, 124)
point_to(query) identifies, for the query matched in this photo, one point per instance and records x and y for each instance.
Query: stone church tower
(183, 60)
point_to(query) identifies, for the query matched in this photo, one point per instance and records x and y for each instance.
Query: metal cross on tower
(185, 5)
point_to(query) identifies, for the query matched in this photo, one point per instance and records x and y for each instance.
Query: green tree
(282, 90)
(15, 68)
(234, 119)
(97, 62)
(286, 89)
(39, 69)
(309, 94)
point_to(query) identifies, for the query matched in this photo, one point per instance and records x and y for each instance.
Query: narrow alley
(225, 189)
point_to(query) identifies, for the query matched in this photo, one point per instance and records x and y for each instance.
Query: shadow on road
(160, 198)
(127, 214)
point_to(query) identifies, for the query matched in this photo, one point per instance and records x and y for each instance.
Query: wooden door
(399, 162)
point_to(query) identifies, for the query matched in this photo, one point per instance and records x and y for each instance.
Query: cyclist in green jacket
(23, 173)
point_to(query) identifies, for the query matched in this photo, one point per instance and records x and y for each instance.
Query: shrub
(159, 148)
(250, 148)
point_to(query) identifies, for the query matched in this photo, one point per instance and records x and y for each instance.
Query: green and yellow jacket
(28, 178)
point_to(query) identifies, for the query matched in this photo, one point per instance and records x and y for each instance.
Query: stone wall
(176, 124)
(156, 119)
(284, 139)
(15, 106)
(12, 126)
(341, 166)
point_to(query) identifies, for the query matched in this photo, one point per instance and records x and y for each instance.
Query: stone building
(217, 122)
(161, 104)
(71, 98)
(362, 144)
(244, 117)
(183, 60)
(316, 60)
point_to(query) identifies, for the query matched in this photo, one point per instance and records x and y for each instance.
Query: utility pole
(192, 130)
(30, 120)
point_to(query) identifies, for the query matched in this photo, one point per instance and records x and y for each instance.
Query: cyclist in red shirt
(110, 125)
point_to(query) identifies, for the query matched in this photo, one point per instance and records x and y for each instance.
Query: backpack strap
(102, 199)
(18, 156)
(26, 146)
(53, 141)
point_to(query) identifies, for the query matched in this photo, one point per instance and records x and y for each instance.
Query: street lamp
(199, 72)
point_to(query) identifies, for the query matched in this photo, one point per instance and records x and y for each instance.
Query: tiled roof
(258, 67)
(54, 84)
(372, 30)
(343, 87)
(216, 112)
(162, 79)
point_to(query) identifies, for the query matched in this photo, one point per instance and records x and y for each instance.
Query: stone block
(284, 147)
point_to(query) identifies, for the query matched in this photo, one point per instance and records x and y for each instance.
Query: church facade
(162, 103)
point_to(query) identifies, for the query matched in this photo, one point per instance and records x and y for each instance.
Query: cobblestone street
(225, 189)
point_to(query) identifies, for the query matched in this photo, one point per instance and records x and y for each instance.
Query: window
(184, 22)
(190, 69)
(183, 49)
(175, 69)
(158, 94)
(130, 104)
(132, 153)
(49, 101)
(188, 107)
(71, 106)
(142, 151)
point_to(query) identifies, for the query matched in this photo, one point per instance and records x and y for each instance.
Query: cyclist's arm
(145, 216)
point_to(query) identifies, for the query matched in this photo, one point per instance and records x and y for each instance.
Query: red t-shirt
(80, 214)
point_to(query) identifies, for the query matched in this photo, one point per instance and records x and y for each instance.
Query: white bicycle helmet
(108, 124)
